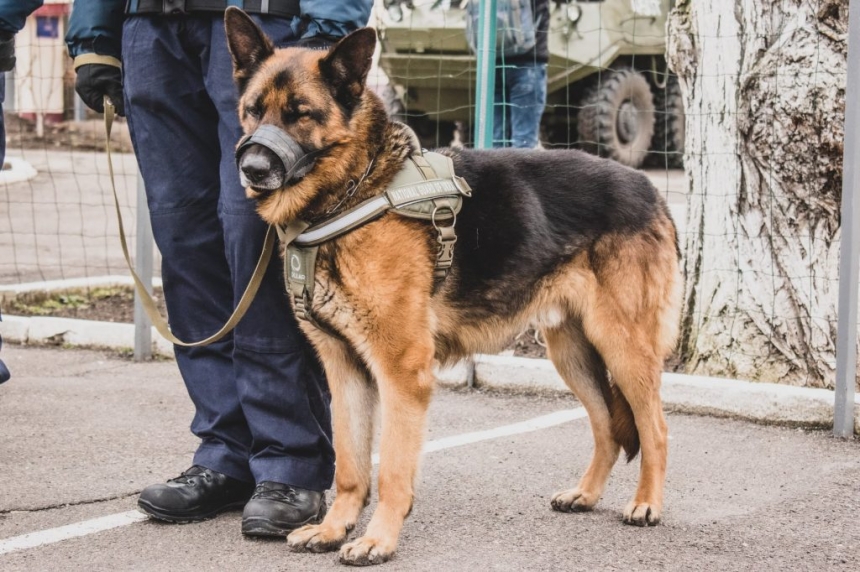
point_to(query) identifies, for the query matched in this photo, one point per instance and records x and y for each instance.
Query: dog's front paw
(574, 500)
(365, 551)
(317, 538)
(642, 513)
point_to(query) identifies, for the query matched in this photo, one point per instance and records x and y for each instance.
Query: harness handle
(146, 299)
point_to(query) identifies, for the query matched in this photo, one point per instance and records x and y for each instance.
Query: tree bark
(764, 92)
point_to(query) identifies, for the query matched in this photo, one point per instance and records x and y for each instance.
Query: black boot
(199, 493)
(277, 509)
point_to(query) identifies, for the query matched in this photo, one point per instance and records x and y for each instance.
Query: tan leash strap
(146, 300)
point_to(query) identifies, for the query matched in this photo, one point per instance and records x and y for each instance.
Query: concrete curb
(72, 332)
(760, 402)
(769, 403)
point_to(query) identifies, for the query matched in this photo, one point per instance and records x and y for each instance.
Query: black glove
(7, 51)
(95, 81)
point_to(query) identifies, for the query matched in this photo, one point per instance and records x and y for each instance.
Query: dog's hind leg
(636, 372)
(403, 369)
(630, 313)
(583, 370)
(353, 399)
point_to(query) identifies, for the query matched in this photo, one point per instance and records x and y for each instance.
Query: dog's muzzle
(268, 159)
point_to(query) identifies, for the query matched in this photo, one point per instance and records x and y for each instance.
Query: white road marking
(53, 535)
(535, 424)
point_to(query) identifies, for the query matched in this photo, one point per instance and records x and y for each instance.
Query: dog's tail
(624, 430)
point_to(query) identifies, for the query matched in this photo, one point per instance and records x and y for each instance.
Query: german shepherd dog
(581, 247)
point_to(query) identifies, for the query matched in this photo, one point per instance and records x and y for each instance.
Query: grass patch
(53, 303)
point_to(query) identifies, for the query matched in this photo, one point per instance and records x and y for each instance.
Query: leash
(146, 299)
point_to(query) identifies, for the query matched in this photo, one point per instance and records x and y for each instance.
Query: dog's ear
(346, 65)
(248, 45)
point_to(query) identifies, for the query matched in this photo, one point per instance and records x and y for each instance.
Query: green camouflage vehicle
(608, 89)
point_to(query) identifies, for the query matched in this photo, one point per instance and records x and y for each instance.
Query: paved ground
(82, 431)
(62, 224)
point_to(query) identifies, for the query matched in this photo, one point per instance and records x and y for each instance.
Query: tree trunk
(764, 92)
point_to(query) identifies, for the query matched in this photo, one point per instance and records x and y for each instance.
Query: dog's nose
(261, 169)
(255, 166)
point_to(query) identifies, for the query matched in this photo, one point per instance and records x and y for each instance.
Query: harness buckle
(447, 238)
(445, 256)
(302, 304)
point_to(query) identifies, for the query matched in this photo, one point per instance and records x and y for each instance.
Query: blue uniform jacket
(14, 12)
(96, 25)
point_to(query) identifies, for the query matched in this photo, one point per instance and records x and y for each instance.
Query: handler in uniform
(12, 16)
(261, 399)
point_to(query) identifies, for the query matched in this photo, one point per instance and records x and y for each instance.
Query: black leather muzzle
(269, 159)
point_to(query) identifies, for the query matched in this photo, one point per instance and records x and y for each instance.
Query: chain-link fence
(735, 110)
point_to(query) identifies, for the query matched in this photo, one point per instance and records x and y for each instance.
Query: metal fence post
(486, 78)
(143, 266)
(11, 104)
(80, 108)
(849, 254)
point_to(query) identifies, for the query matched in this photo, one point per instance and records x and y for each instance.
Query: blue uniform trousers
(261, 399)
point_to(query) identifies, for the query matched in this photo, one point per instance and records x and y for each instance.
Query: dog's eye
(295, 115)
(253, 111)
(302, 113)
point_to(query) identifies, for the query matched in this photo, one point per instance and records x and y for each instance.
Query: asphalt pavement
(82, 431)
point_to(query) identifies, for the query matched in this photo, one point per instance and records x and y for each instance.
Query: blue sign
(47, 27)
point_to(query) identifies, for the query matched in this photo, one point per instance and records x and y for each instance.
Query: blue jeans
(520, 100)
(261, 400)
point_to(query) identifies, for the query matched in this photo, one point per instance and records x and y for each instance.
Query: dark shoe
(277, 509)
(197, 494)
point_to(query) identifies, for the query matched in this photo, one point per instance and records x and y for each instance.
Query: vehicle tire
(667, 147)
(617, 117)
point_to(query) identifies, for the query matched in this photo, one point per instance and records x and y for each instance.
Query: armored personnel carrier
(608, 88)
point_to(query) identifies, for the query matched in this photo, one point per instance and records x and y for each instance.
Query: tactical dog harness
(426, 188)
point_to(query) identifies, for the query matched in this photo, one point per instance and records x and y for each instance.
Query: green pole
(486, 79)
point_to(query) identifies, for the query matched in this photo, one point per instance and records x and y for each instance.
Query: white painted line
(53, 535)
(535, 424)
(75, 530)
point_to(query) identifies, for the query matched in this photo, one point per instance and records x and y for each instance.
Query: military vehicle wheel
(667, 146)
(617, 117)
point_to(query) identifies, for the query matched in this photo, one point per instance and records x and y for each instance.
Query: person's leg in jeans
(527, 99)
(257, 393)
